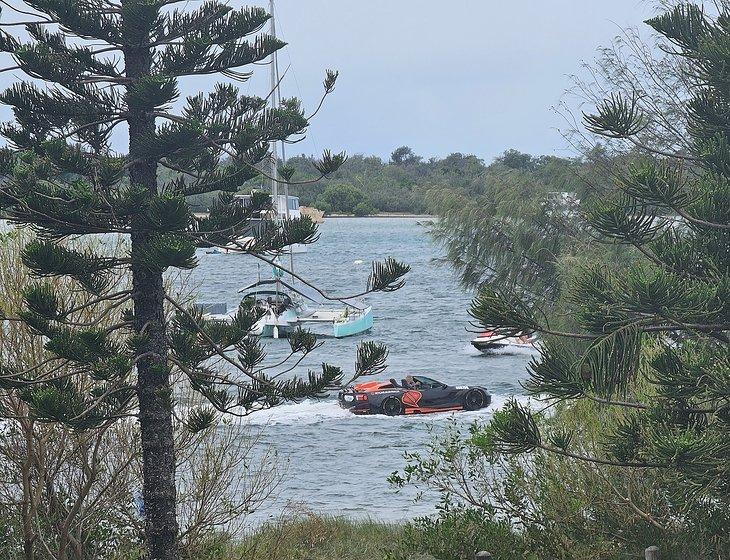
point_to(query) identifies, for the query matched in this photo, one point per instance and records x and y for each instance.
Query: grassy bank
(321, 537)
(311, 536)
(307, 537)
(315, 537)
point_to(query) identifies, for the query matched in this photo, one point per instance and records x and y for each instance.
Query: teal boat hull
(351, 328)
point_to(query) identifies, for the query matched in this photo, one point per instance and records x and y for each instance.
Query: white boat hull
(492, 343)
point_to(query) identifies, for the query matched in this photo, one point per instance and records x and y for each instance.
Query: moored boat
(283, 208)
(287, 306)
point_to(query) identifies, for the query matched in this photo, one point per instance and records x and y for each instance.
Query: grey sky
(476, 76)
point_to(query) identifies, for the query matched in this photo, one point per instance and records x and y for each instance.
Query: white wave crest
(304, 413)
(311, 412)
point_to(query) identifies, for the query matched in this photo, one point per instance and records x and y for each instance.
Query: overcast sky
(441, 76)
(475, 76)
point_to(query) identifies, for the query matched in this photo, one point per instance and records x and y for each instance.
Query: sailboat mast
(283, 152)
(276, 102)
(272, 144)
(274, 154)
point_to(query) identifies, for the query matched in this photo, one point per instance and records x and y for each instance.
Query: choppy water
(337, 462)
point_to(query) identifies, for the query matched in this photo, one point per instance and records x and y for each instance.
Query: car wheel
(474, 400)
(392, 406)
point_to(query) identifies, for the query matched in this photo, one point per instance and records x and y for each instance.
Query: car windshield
(428, 382)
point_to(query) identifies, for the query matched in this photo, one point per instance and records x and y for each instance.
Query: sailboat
(284, 206)
(287, 306)
(284, 304)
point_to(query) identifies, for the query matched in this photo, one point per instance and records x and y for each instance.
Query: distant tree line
(408, 182)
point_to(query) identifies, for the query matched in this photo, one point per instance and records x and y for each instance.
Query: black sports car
(414, 395)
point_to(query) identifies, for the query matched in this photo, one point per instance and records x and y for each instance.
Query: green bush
(551, 507)
(323, 206)
(364, 209)
(340, 198)
(456, 534)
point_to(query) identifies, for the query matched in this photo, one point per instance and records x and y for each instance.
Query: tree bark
(153, 376)
(28, 509)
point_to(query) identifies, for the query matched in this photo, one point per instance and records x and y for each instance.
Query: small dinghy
(489, 341)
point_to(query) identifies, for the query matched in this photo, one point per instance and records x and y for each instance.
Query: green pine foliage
(514, 228)
(95, 67)
(649, 337)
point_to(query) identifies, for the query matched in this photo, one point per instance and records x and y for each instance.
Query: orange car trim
(427, 409)
(372, 386)
(412, 398)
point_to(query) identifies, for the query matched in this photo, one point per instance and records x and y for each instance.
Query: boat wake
(311, 412)
(510, 351)
(305, 413)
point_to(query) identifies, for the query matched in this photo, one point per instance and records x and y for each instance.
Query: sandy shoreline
(379, 215)
(383, 215)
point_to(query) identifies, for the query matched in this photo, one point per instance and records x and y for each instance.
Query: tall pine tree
(651, 340)
(95, 66)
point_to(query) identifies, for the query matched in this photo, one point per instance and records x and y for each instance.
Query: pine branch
(47, 259)
(515, 431)
(328, 162)
(215, 21)
(329, 86)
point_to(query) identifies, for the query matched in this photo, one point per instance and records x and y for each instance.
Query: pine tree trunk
(153, 385)
(155, 415)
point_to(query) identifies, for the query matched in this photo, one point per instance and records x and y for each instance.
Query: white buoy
(358, 261)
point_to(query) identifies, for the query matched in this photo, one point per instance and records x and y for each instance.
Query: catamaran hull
(273, 331)
(271, 326)
(268, 327)
(361, 324)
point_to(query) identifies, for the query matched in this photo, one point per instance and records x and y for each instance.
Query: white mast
(274, 155)
(276, 102)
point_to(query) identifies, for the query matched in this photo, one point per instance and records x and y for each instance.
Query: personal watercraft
(489, 341)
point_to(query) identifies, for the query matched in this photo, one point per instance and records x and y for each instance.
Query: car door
(441, 395)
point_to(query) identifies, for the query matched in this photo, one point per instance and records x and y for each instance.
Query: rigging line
(282, 33)
(276, 99)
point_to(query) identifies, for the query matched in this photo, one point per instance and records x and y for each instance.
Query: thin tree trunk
(153, 385)
(27, 510)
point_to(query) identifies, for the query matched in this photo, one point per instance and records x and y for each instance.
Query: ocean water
(336, 462)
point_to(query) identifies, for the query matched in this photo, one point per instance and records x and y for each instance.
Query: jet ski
(489, 341)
